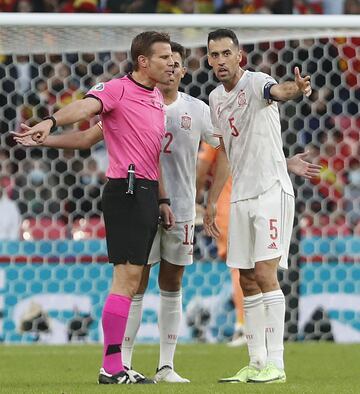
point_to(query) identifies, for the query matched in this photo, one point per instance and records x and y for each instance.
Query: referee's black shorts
(130, 220)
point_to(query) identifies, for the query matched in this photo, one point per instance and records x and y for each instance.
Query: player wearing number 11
(246, 118)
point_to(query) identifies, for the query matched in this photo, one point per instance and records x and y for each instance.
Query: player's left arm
(298, 166)
(166, 214)
(292, 89)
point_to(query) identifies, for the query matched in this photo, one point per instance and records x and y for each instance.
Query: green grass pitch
(311, 368)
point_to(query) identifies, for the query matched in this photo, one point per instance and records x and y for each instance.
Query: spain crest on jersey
(242, 98)
(185, 122)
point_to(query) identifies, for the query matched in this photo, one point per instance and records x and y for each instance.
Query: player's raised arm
(69, 140)
(222, 172)
(71, 113)
(291, 89)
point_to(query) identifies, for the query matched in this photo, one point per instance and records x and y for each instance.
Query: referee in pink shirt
(132, 113)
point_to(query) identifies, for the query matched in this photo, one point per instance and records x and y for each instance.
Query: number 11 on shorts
(188, 235)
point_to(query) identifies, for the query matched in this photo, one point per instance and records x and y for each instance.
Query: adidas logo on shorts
(272, 246)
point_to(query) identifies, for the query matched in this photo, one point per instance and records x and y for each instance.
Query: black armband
(267, 94)
(164, 201)
(53, 127)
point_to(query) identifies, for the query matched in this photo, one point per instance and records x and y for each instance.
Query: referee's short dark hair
(142, 44)
(223, 33)
(178, 48)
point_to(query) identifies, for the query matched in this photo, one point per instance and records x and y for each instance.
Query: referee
(133, 118)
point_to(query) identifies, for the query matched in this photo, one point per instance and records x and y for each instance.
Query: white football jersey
(250, 127)
(187, 122)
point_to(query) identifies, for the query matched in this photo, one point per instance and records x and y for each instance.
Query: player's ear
(183, 72)
(240, 55)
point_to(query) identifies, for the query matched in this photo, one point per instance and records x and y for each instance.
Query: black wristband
(53, 127)
(164, 201)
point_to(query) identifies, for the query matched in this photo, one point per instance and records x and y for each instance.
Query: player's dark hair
(142, 44)
(176, 47)
(223, 33)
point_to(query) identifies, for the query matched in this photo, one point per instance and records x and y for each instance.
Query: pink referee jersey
(133, 118)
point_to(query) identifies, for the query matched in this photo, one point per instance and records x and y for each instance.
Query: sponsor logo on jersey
(242, 98)
(272, 246)
(185, 122)
(99, 87)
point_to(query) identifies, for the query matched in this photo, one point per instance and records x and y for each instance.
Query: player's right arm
(69, 140)
(71, 113)
(222, 172)
(206, 157)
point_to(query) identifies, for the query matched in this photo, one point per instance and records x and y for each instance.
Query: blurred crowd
(46, 193)
(185, 6)
(57, 193)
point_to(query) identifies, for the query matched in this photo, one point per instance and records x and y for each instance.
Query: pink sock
(114, 318)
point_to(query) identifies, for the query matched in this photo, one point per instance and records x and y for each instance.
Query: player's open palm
(299, 166)
(210, 226)
(303, 83)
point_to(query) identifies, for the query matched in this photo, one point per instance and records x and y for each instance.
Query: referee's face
(160, 65)
(224, 57)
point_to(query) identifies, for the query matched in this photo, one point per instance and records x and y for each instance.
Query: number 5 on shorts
(273, 228)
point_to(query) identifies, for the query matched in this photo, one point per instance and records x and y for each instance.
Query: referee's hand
(167, 217)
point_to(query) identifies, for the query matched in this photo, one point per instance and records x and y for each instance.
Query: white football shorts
(260, 229)
(175, 246)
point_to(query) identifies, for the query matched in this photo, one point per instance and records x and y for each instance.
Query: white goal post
(52, 33)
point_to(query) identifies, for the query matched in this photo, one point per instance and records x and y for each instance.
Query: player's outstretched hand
(26, 140)
(299, 166)
(210, 226)
(167, 216)
(39, 132)
(303, 83)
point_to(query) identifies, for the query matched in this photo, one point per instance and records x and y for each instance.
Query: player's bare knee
(266, 276)
(266, 283)
(248, 283)
(170, 276)
(170, 283)
(144, 280)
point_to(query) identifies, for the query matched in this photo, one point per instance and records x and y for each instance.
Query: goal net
(45, 276)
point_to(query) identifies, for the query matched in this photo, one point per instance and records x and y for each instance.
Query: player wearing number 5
(246, 117)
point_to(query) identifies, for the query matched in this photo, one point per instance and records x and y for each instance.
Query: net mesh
(58, 192)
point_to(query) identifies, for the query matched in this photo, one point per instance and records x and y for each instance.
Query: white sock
(274, 302)
(132, 327)
(255, 330)
(169, 324)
